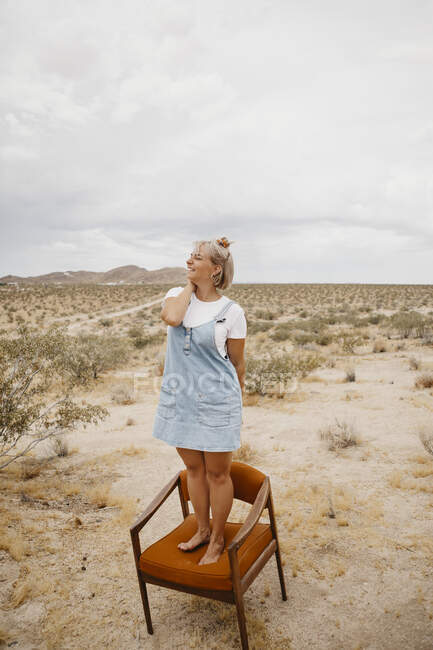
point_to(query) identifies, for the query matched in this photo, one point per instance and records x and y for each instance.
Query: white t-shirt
(199, 312)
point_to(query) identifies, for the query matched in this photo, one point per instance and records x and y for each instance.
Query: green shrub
(408, 323)
(33, 366)
(265, 314)
(263, 375)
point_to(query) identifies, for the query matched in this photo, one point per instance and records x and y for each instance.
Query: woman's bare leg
(218, 465)
(198, 489)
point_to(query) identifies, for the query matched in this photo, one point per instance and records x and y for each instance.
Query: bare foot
(213, 553)
(200, 537)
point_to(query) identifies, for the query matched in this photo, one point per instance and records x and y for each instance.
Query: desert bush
(245, 453)
(426, 438)
(302, 338)
(325, 339)
(88, 355)
(408, 323)
(380, 346)
(263, 375)
(427, 339)
(424, 380)
(349, 342)
(106, 322)
(414, 363)
(265, 314)
(122, 395)
(140, 339)
(350, 375)
(32, 367)
(255, 327)
(282, 332)
(339, 435)
(59, 446)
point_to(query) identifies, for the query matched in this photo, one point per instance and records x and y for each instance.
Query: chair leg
(241, 620)
(145, 601)
(280, 573)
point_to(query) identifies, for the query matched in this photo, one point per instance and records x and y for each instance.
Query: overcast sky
(303, 131)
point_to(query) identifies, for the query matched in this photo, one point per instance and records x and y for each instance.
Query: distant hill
(130, 274)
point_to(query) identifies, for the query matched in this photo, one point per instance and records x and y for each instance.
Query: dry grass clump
(245, 453)
(122, 395)
(250, 399)
(339, 436)
(426, 438)
(59, 446)
(417, 479)
(424, 381)
(134, 451)
(309, 516)
(29, 585)
(380, 345)
(414, 363)
(350, 375)
(30, 467)
(12, 541)
(213, 625)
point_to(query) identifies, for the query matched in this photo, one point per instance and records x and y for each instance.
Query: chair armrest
(154, 505)
(253, 517)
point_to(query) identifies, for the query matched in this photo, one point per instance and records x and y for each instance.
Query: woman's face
(199, 265)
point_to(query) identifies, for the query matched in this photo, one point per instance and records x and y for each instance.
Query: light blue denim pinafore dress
(200, 401)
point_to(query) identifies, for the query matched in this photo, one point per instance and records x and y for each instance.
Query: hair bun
(223, 241)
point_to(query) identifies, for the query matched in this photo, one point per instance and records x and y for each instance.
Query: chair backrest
(247, 481)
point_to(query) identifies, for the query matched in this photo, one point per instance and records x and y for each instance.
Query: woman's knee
(217, 477)
(193, 459)
(218, 465)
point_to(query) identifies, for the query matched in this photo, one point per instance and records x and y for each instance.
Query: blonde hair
(219, 255)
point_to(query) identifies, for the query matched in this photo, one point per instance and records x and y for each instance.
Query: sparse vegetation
(339, 435)
(380, 346)
(277, 372)
(35, 392)
(426, 438)
(338, 517)
(424, 380)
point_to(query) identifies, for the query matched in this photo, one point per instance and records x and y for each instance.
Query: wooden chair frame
(240, 584)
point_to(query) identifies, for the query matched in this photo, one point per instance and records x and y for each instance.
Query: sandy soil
(359, 580)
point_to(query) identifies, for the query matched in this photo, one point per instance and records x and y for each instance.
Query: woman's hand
(191, 284)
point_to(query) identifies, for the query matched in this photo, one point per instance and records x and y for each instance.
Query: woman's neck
(206, 294)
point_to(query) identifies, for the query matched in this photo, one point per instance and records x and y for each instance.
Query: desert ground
(337, 412)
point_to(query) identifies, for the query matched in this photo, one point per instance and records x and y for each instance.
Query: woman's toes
(195, 541)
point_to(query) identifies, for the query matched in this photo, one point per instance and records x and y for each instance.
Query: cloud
(130, 133)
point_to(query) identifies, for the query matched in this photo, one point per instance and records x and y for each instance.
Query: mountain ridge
(126, 274)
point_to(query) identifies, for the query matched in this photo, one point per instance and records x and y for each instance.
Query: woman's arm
(235, 351)
(175, 306)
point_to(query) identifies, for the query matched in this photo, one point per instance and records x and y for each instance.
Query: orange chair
(248, 547)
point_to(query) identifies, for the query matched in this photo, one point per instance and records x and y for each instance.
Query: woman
(200, 405)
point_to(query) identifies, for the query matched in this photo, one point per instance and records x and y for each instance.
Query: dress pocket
(214, 410)
(167, 403)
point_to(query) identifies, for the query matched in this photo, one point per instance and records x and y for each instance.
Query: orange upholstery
(165, 561)
(247, 481)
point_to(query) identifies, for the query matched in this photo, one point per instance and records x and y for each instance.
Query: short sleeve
(171, 293)
(239, 328)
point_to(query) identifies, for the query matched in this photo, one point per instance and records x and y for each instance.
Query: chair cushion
(165, 561)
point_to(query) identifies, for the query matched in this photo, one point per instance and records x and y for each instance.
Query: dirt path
(113, 314)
